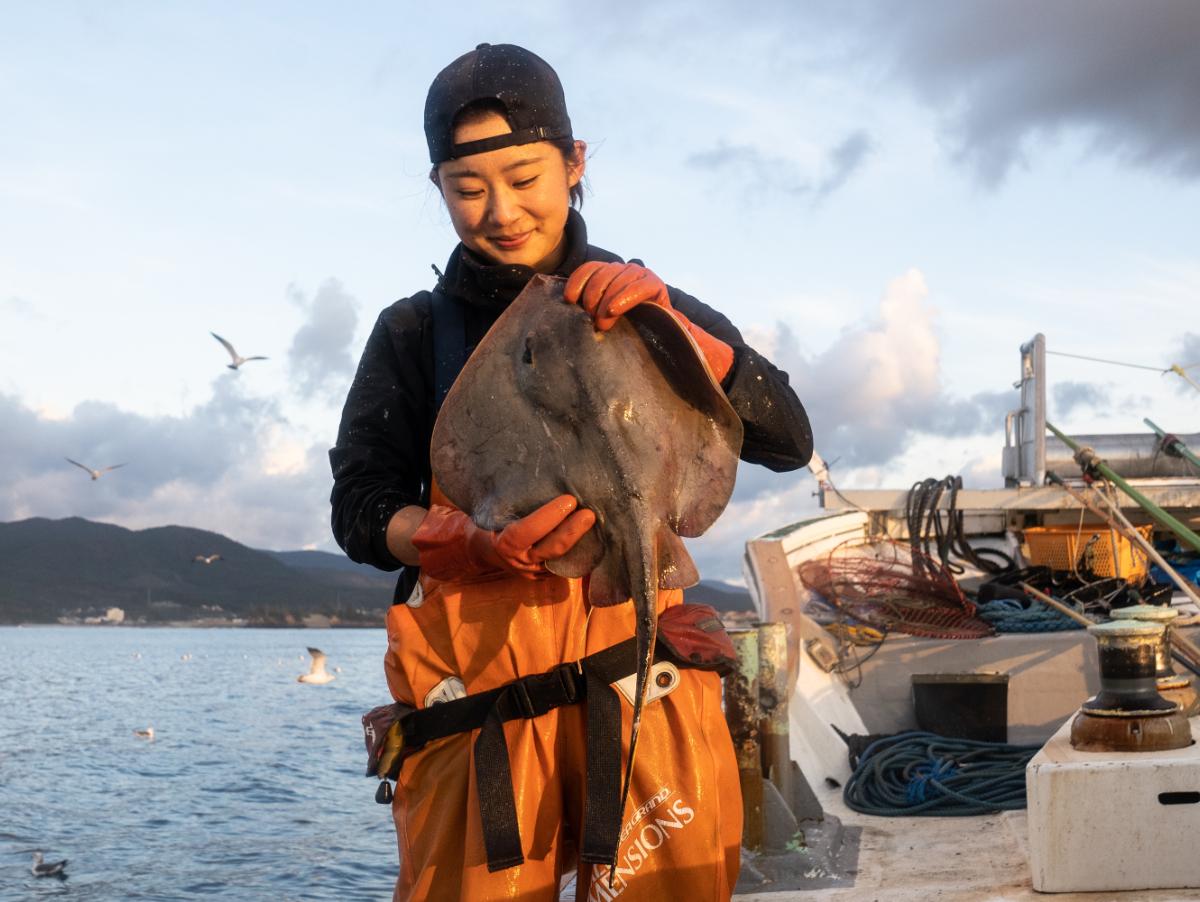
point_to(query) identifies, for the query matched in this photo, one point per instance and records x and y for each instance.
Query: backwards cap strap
(509, 139)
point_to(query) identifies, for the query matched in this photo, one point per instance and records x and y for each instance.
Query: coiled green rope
(923, 774)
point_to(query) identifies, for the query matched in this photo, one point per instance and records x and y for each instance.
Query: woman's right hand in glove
(450, 546)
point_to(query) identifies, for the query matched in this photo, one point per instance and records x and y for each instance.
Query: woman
(485, 611)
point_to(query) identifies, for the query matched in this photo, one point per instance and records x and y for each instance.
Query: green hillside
(75, 567)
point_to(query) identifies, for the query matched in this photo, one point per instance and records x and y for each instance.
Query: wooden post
(773, 700)
(743, 712)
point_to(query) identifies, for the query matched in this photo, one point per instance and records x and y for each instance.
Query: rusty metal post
(742, 712)
(773, 701)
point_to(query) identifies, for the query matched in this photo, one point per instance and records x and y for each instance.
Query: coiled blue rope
(1011, 615)
(923, 774)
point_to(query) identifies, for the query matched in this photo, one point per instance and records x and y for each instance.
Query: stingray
(629, 421)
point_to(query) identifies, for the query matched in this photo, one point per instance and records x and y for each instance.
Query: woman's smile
(511, 242)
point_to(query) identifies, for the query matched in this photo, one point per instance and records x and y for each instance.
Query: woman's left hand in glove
(608, 291)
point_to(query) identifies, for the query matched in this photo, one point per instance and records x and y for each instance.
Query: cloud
(1008, 74)
(1002, 76)
(1067, 396)
(234, 464)
(320, 362)
(18, 306)
(872, 395)
(878, 384)
(764, 174)
(231, 465)
(1098, 401)
(844, 160)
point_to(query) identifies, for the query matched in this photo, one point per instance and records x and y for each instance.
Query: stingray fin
(605, 588)
(581, 559)
(705, 483)
(676, 569)
(680, 360)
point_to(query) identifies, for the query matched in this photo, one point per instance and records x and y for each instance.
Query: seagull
(238, 359)
(206, 559)
(95, 474)
(147, 733)
(317, 672)
(47, 869)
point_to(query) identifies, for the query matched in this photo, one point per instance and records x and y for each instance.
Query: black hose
(927, 531)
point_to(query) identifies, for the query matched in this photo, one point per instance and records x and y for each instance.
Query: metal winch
(1172, 685)
(1129, 714)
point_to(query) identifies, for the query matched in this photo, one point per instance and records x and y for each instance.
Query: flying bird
(95, 474)
(42, 868)
(317, 672)
(147, 733)
(206, 558)
(238, 359)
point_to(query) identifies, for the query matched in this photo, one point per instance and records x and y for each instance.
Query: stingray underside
(628, 421)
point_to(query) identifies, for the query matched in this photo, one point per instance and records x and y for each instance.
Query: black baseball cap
(523, 83)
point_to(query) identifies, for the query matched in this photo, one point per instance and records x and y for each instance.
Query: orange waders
(682, 825)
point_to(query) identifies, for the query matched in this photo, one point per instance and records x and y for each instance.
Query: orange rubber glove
(610, 290)
(451, 546)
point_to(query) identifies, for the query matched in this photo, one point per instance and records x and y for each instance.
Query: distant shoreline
(193, 624)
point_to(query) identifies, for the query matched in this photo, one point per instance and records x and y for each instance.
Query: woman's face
(509, 205)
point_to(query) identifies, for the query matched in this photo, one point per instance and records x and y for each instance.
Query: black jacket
(381, 460)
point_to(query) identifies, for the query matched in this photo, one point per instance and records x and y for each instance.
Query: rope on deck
(1011, 615)
(923, 774)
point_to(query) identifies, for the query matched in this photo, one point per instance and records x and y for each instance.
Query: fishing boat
(869, 655)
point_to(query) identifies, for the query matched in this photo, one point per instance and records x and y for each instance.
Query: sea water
(252, 787)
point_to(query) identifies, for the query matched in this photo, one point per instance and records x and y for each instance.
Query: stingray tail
(645, 604)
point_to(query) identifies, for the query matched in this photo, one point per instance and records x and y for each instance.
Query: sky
(887, 206)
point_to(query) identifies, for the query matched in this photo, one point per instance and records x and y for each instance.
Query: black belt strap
(497, 807)
(530, 697)
(602, 808)
(526, 698)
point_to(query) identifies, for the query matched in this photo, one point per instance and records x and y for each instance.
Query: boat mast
(1025, 427)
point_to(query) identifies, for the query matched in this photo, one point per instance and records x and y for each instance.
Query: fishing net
(890, 586)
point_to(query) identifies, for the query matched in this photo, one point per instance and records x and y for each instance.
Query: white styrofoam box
(1099, 821)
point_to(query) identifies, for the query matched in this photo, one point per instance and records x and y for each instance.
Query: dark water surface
(253, 787)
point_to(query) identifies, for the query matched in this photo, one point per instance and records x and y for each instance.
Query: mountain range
(74, 569)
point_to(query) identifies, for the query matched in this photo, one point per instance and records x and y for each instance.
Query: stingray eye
(527, 357)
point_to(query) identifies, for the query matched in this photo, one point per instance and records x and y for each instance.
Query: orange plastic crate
(1060, 547)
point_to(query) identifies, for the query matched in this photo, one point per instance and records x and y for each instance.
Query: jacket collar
(494, 286)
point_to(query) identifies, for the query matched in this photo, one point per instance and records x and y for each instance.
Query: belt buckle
(523, 701)
(565, 678)
(570, 675)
